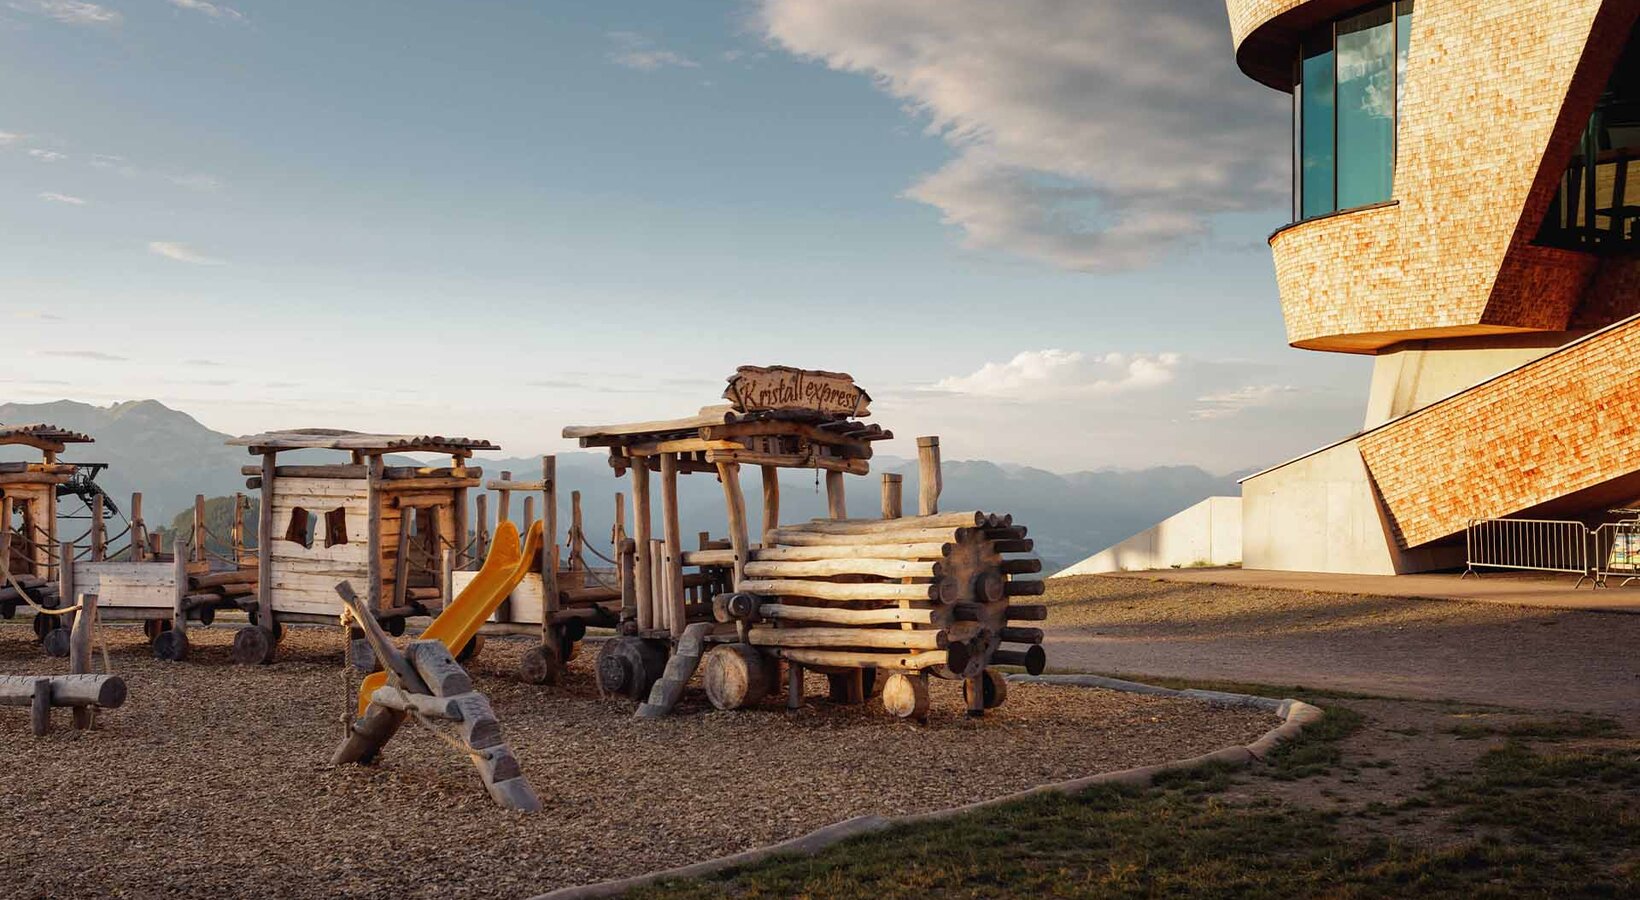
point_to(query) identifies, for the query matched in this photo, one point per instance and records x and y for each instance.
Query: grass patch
(1177, 839)
(1279, 692)
(1316, 749)
(1576, 799)
(1574, 727)
(1524, 822)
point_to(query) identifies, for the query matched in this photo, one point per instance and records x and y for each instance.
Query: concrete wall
(1207, 533)
(1322, 514)
(1418, 373)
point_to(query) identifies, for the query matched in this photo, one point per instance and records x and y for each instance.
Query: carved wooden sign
(765, 388)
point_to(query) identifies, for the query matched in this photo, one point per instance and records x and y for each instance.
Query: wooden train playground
(386, 618)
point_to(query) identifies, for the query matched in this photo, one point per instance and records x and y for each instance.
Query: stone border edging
(1295, 715)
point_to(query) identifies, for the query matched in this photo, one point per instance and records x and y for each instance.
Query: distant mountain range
(170, 456)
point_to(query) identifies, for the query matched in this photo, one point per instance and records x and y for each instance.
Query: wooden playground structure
(850, 598)
(29, 550)
(876, 605)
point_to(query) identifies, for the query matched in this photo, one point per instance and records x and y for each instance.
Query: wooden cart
(822, 588)
(400, 530)
(29, 542)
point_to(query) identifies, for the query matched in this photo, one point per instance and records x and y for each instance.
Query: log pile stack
(209, 591)
(906, 597)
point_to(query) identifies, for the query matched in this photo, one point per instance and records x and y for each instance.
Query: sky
(1036, 228)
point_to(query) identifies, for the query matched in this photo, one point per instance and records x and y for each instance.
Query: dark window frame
(1297, 118)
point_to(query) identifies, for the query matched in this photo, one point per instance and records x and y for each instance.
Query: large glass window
(1597, 208)
(1316, 131)
(1346, 94)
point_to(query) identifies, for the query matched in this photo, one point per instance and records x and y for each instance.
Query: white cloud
(196, 181)
(9, 137)
(181, 253)
(1092, 136)
(54, 197)
(1043, 374)
(1224, 404)
(94, 355)
(46, 155)
(636, 51)
(214, 10)
(71, 12)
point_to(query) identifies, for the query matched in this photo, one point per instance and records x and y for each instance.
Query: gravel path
(1425, 649)
(212, 780)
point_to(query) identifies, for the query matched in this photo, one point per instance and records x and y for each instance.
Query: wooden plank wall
(305, 578)
(129, 585)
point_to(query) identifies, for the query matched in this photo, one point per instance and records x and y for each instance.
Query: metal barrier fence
(1538, 545)
(1617, 549)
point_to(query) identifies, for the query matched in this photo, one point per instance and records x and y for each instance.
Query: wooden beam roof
(41, 436)
(359, 442)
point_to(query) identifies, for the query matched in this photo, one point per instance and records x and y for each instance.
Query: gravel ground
(1426, 649)
(212, 780)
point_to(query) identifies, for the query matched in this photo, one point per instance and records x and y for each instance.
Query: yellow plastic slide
(461, 618)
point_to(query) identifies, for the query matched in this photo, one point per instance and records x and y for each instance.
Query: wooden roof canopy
(776, 416)
(359, 442)
(49, 438)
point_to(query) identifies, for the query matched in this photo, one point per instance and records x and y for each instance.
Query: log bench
(42, 692)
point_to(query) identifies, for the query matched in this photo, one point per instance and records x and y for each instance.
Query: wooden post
(928, 476)
(238, 533)
(199, 529)
(892, 494)
(503, 501)
(375, 497)
(447, 575)
(529, 514)
(44, 547)
(641, 530)
(79, 652)
(672, 530)
(735, 501)
(835, 507)
(459, 511)
(179, 604)
(65, 580)
(627, 557)
(771, 502)
(549, 540)
(139, 530)
(676, 599)
(662, 607)
(40, 708)
(99, 540)
(481, 529)
(576, 558)
(401, 560)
